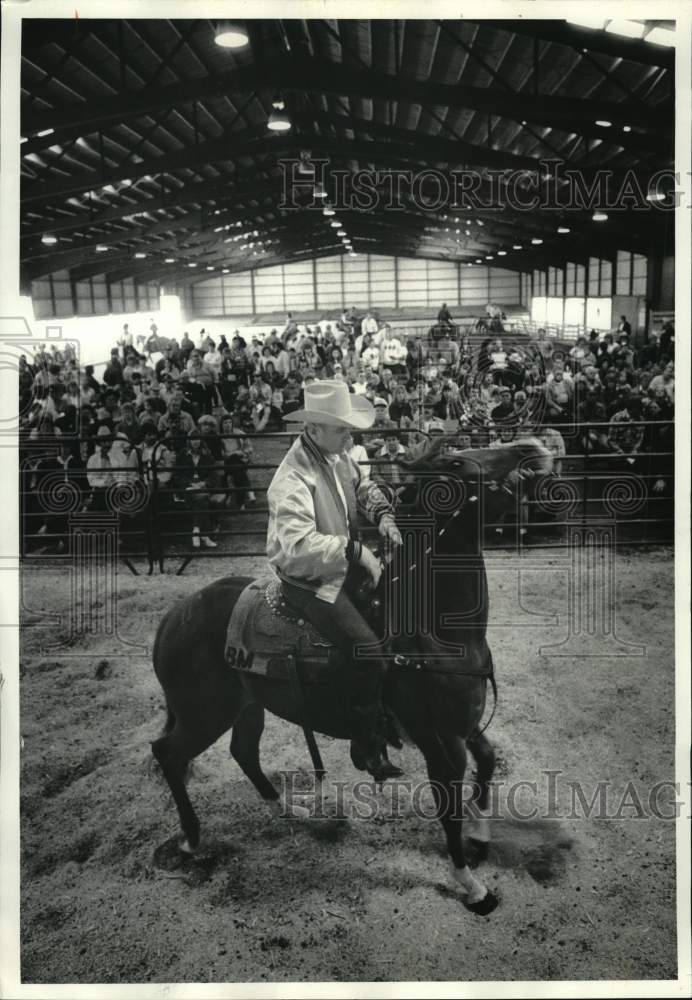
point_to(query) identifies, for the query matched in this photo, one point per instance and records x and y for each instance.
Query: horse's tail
(154, 768)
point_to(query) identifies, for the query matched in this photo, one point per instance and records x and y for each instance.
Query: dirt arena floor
(106, 899)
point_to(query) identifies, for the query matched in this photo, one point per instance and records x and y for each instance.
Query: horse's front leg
(445, 757)
(478, 811)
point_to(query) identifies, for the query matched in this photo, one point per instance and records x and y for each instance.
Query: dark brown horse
(436, 683)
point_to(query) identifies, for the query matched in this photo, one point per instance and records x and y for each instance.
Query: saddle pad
(262, 633)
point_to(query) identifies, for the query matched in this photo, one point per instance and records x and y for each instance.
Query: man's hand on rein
(390, 533)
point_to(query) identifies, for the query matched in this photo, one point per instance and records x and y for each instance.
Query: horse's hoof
(484, 906)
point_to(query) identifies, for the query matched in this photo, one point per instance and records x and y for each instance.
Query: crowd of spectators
(180, 411)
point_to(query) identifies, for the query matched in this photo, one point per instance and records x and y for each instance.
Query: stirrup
(377, 764)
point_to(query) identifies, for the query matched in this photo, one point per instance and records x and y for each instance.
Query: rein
(421, 663)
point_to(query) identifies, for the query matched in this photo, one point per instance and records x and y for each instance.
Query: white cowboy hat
(331, 403)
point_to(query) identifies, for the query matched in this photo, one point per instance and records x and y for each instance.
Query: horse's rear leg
(478, 820)
(174, 763)
(174, 751)
(245, 747)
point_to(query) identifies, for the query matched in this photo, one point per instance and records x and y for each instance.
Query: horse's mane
(472, 460)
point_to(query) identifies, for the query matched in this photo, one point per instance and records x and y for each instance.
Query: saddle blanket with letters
(262, 633)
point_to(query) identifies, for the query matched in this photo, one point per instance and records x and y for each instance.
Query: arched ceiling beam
(320, 76)
(593, 39)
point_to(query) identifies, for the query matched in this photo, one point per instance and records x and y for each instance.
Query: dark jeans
(343, 624)
(236, 471)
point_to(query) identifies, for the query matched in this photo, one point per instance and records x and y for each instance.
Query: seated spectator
(113, 374)
(260, 415)
(387, 470)
(498, 356)
(237, 453)
(370, 353)
(156, 459)
(555, 443)
(392, 352)
(194, 479)
(665, 382)
(292, 394)
(166, 366)
(558, 399)
(624, 437)
(400, 408)
(49, 473)
(260, 390)
(176, 424)
(591, 410)
(129, 425)
(449, 406)
(380, 424)
(359, 455)
(209, 433)
(504, 410)
(202, 375)
(100, 475)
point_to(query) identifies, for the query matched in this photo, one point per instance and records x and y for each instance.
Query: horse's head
(525, 457)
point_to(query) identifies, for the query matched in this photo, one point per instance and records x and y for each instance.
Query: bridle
(421, 664)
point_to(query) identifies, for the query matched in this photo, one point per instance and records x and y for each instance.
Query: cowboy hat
(329, 402)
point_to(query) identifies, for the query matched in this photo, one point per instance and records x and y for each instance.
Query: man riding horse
(313, 544)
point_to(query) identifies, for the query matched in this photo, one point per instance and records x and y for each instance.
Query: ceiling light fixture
(489, 256)
(630, 29)
(536, 241)
(626, 128)
(139, 255)
(603, 123)
(341, 232)
(661, 36)
(319, 191)
(334, 224)
(563, 229)
(278, 120)
(49, 240)
(327, 210)
(192, 265)
(101, 248)
(517, 246)
(654, 195)
(599, 217)
(587, 22)
(169, 260)
(231, 35)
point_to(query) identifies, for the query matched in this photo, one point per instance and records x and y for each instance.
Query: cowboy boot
(368, 747)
